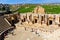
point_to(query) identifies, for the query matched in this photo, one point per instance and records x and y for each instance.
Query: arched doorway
(42, 18)
(24, 19)
(35, 20)
(50, 22)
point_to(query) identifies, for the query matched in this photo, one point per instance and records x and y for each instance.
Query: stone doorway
(50, 22)
(42, 18)
(24, 19)
(35, 20)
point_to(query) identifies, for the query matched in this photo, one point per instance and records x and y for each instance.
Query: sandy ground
(32, 32)
(21, 34)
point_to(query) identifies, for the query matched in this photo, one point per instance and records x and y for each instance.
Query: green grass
(49, 9)
(52, 9)
(28, 8)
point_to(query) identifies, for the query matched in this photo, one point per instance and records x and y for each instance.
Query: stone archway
(24, 19)
(50, 20)
(35, 20)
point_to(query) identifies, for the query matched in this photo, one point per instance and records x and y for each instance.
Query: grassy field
(49, 9)
(26, 8)
(52, 9)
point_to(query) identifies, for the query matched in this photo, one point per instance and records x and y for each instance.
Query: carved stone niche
(24, 18)
(35, 19)
(50, 20)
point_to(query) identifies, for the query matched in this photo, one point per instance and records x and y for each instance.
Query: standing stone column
(28, 18)
(32, 17)
(57, 19)
(39, 20)
(54, 19)
(45, 19)
(42, 18)
(21, 17)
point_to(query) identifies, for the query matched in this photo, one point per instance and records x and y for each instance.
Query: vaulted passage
(35, 20)
(24, 20)
(50, 22)
(42, 18)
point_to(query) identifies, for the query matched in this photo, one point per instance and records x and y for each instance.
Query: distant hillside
(14, 6)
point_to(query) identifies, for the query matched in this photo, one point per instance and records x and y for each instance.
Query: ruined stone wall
(48, 19)
(39, 10)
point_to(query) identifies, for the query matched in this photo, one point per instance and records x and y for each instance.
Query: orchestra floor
(25, 33)
(21, 34)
